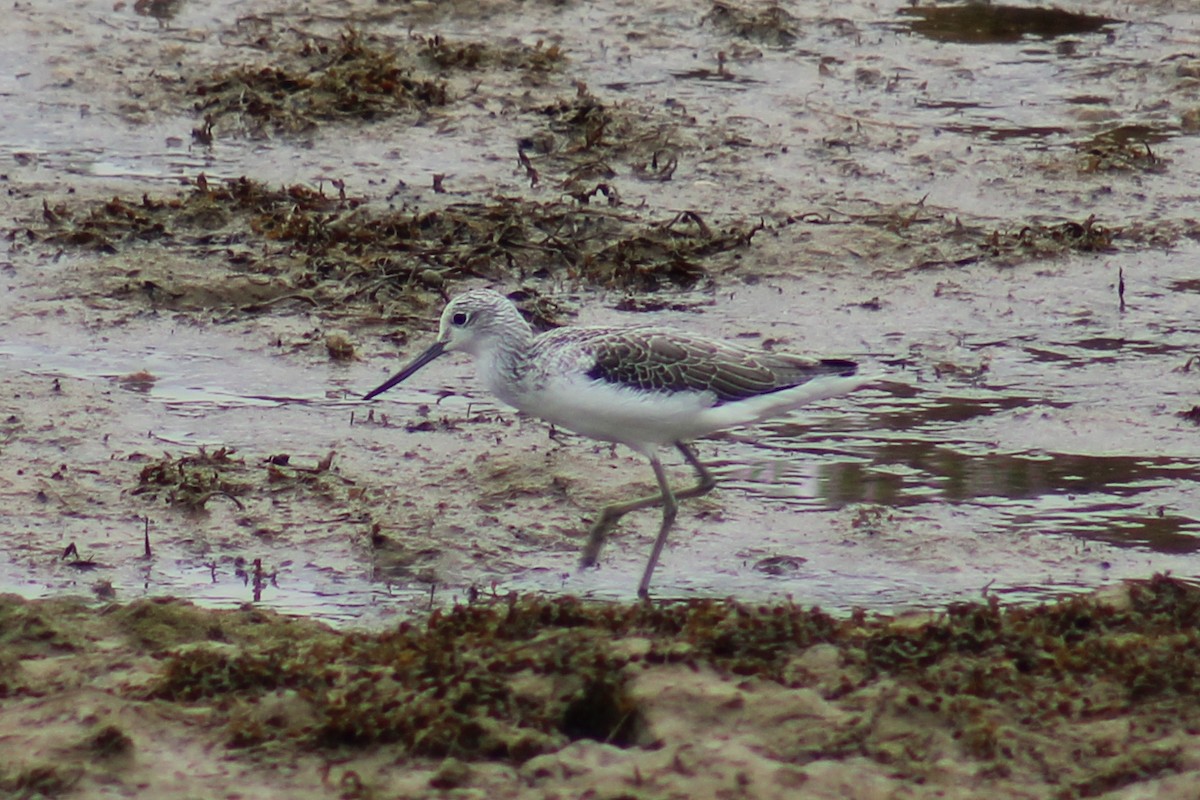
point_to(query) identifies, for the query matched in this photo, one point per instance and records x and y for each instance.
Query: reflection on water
(908, 407)
(913, 450)
(957, 476)
(985, 23)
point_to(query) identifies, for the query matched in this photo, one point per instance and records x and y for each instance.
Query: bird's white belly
(614, 413)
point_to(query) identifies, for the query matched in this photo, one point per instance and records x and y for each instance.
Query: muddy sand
(224, 575)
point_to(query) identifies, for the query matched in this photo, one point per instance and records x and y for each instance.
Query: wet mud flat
(298, 193)
(222, 228)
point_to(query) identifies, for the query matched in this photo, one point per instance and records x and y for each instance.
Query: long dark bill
(429, 355)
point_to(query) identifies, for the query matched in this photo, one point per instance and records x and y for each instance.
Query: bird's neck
(502, 362)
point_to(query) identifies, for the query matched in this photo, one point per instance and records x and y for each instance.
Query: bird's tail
(841, 380)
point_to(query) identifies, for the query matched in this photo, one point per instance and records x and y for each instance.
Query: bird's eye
(460, 318)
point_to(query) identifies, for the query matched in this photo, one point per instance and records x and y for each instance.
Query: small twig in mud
(78, 562)
(147, 555)
(204, 498)
(690, 216)
(610, 192)
(264, 304)
(857, 120)
(372, 287)
(906, 221)
(530, 172)
(256, 577)
(1121, 287)
(661, 168)
(383, 420)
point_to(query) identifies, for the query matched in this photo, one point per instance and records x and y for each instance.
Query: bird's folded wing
(667, 361)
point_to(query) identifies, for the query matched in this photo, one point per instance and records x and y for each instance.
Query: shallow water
(1025, 441)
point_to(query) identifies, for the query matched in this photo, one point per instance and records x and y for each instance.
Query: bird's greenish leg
(610, 515)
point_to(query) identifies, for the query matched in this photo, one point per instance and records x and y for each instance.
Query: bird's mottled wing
(658, 360)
